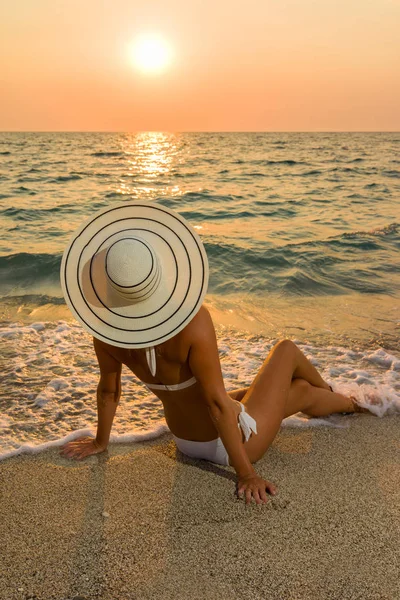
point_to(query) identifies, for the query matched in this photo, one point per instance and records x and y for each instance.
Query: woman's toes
(357, 407)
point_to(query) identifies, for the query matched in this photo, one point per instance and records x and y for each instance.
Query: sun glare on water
(151, 54)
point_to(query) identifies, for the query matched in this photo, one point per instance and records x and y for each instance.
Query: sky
(237, 65)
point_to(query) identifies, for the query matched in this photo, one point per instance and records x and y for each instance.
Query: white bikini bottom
(214, 450)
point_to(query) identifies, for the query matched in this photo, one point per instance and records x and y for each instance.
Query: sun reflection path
(151, 159)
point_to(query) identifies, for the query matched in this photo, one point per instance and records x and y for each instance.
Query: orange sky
(240, 65)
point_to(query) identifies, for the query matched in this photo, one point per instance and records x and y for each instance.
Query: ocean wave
(121, 195)
(218, 215)
(22, 190)
(296, 283)
(390, 229)
(314, 201)
(186, 175)
(203, 195)
(36, 214)
(111, 153)
(360, 240)
(288, 162)
(27, 179)
(63, 178)
(25, 271)
(308, 173)
(343, 170)
(32, 299)
(235, 263)
(48, 390)
(240, 261)
(251, 174)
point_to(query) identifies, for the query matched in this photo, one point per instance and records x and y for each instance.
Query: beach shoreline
(143, 521)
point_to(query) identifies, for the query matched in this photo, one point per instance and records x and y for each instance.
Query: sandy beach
(142, 521)
(164, 160)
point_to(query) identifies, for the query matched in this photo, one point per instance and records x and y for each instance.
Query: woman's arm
(205, 366)
(108, 394)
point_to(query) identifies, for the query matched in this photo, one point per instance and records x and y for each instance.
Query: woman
(135, 276)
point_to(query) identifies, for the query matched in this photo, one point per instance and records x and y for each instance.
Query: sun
(151, 54)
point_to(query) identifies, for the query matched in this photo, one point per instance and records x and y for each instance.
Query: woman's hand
(81, 448)
(253, 486)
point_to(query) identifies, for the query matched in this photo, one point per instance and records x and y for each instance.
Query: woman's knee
(284, 347)
(285, 344)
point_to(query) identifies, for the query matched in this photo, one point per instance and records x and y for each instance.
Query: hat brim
(175, 301)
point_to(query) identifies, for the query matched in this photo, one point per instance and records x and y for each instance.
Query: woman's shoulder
(200, 325)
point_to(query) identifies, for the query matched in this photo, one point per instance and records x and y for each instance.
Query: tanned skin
(286, 383)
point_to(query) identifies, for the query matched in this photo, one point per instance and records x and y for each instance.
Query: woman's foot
(357, 408)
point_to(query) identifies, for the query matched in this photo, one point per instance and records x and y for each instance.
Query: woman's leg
(284, 386)
(238, 394)
(311, 400)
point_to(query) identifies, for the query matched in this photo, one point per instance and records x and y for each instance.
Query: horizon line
(199, 131)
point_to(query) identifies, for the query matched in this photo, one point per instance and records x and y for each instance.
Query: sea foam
(50, 378)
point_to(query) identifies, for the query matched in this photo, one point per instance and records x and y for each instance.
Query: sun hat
(134, 274)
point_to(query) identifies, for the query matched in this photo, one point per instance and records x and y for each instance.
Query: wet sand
(142, 521)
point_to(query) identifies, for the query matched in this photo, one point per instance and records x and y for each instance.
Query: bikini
(213, 450)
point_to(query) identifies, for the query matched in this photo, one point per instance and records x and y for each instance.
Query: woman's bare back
(185, 410)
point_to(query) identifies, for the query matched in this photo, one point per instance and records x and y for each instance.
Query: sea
(302, 233)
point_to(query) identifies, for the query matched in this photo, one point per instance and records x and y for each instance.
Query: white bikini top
(151, 361)
(246, 422)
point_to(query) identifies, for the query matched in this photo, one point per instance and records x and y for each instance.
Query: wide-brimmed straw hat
(134, 274)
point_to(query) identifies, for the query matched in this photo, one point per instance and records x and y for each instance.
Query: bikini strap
(241, 405)
(246, 423)
(151, 360)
